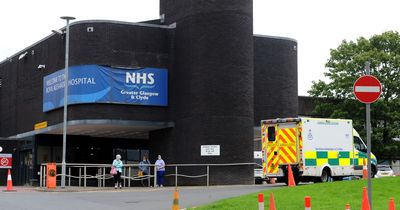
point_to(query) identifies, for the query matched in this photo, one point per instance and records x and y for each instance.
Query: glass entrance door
(26, 167)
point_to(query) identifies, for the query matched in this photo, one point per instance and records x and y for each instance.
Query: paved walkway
(128, 198)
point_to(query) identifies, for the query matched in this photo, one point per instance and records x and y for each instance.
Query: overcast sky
(317, 25)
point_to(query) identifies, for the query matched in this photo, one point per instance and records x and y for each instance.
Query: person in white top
(160, 166)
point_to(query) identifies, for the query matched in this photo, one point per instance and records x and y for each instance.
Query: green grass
(328, 196)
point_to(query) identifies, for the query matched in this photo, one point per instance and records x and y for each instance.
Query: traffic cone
(175, 202)
(365, 170)
(271, 202)
(291, 182)
(9, 183)
(307, 203)
(391, 204)
(365, 201)
(347, 207)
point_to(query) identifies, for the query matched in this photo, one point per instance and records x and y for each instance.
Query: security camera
(22, 55)
(59, 32)
(41, 67)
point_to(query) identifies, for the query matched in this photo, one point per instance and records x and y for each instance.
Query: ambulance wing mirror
(271, 133)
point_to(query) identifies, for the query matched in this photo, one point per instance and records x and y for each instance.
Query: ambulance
(318, 150)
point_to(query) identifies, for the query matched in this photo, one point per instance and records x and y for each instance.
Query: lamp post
(64, 146)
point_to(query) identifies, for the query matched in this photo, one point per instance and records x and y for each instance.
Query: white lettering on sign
(139, 95)
(58, 82)
(139, 78)
(210, 150)
(368, 89)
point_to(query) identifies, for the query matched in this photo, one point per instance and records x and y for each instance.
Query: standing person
(144, 167)
(117, 164)
(160, 167)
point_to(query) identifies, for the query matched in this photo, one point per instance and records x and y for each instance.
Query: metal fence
(79, 174)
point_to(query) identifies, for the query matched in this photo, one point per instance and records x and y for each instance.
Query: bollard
(347, 207)
(260, 201)
(175, 202)
(391, 204)
(307, 203)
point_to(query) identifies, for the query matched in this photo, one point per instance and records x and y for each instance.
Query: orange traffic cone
(175, 203)
(347, 207)
(391, 204)
(365, 170)
(365, 201)
(271, 202)
(291, 182)
(9, 183)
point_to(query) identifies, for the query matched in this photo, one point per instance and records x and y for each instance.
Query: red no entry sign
(367, 89)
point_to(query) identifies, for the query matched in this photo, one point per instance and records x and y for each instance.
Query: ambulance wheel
(325, 176)
(297, 179)
(258, 181)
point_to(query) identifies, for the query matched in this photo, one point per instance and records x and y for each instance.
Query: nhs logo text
(139, 78)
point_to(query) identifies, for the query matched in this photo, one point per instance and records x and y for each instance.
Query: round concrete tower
(212, 97)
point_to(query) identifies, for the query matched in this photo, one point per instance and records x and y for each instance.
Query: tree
(345, 65)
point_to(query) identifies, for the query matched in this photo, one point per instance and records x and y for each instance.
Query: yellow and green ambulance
(317, 149)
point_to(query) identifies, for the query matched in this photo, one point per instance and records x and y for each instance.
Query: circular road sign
(367, 89)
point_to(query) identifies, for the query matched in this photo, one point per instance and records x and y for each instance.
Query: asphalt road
(132, 198)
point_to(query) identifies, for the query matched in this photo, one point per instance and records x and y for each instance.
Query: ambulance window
(359, 145)
(271, 133)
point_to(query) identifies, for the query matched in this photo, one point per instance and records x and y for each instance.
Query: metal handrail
(102, 173)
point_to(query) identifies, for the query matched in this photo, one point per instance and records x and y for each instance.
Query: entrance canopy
(103, 128)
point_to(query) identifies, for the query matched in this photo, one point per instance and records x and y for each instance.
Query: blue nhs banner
(99, 84)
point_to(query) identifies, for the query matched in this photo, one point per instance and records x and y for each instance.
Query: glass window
(144, 152)
(359, 144)
(271, 133)
(133, 154)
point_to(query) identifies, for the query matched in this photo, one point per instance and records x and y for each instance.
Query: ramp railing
(86, 174)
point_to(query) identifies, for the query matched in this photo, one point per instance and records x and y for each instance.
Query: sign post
(367, 89)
